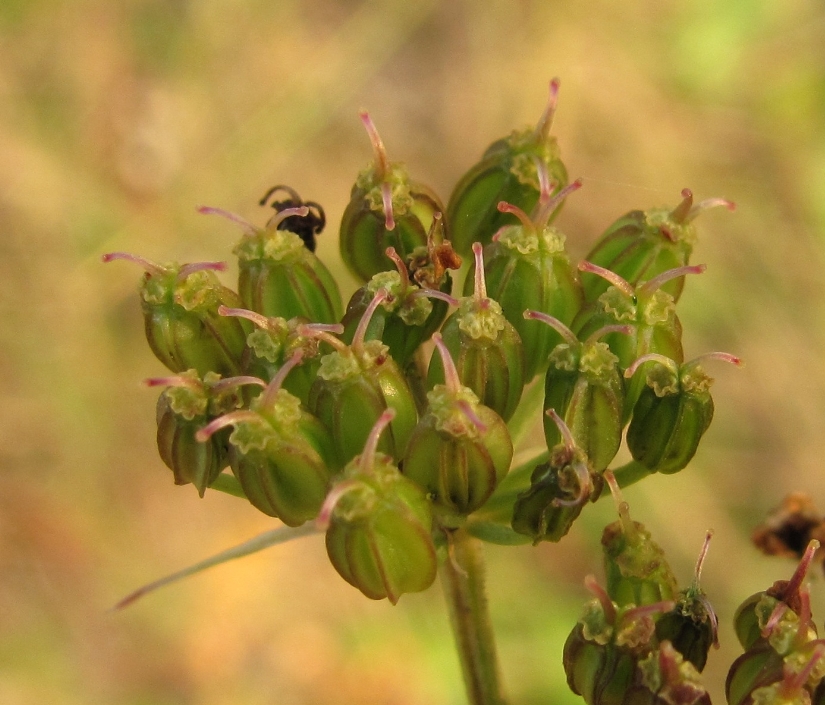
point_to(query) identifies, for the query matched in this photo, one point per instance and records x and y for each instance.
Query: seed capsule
(651, 312)
(635, 565)
(272, 344)
(184, 407)
(378, 525)
(486, 349)
(282, 455)
(507, 172)
(527, 267)
(691, 626)
(558, 491)
(584, 386)
(460, 450)
(612, 657)
(673, 411)
(643, 244)
(278, 275)
(386, 209)
(761, 677)
(355, 384)
(406, 318)
(756, 668)
(180, 312)
(777, 614)
(783, 662)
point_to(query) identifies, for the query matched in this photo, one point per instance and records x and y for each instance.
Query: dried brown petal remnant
(789, 528)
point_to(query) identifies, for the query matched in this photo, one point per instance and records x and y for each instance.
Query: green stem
(228, 484)
(463, 581)
(529, 409)
(628, 474)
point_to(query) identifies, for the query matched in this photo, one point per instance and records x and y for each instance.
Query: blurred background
(117, 119)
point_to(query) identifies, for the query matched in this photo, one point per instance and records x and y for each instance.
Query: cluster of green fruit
(390, 423)
(642, 641)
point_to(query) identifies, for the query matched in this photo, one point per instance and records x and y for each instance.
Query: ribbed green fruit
(691, 626)
(485, 347)
(635, 565)
(507, 172)
(379, 526)
(273, 343)
(761, 676)
(188, 404)
(460, 450)
(784, 661)
(673, 412)
(774, 614)
(386, 209)
(180, 310)
(278, 275)
(408, 316)
(649, 310)
(759, 667)
(584, 386)
(281, 454)
(642, 244)
(526, 267)
(558, 491)
(356, 383)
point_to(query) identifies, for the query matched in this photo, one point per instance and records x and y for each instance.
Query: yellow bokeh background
(118, 118)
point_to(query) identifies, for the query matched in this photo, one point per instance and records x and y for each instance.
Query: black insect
(306, 227)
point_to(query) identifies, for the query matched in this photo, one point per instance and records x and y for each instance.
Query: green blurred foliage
(118, 119)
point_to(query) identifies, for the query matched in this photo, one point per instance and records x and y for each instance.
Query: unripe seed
(485, 347)
(184, 407)
(643, 244)
(278, 275)
(273, 343)
(650, 310)
(379, 524)
(558, 491)
(386, 209)
(180, 312)
(583, 384)
(355, 384)
(526, 267)
(691, 626)
(635, 565)
(778, 614)
(777, 682)
(507, 172)
(282, 455)
(673, 411)
(460, 450)
(406, 318)
(759, 667)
